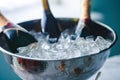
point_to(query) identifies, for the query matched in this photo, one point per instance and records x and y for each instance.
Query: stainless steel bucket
(80, 68)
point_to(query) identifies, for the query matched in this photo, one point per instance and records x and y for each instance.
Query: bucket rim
(103, 25)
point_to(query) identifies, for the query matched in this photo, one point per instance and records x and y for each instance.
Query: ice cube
(102, 43)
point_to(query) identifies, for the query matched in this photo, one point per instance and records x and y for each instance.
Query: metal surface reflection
(80, 68)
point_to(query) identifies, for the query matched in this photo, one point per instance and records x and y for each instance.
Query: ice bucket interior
(92, 28)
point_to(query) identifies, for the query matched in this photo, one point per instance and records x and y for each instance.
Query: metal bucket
(80, 68)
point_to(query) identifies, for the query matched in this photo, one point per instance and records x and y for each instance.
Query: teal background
(6, 73)
(110, 9)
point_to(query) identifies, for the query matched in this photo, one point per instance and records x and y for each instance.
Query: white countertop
(110, 70)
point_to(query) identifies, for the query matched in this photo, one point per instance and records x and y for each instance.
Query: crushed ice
(65, 48)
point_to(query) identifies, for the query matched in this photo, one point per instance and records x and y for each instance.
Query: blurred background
(106, 11)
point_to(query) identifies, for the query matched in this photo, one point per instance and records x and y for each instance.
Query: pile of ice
(65, 48)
